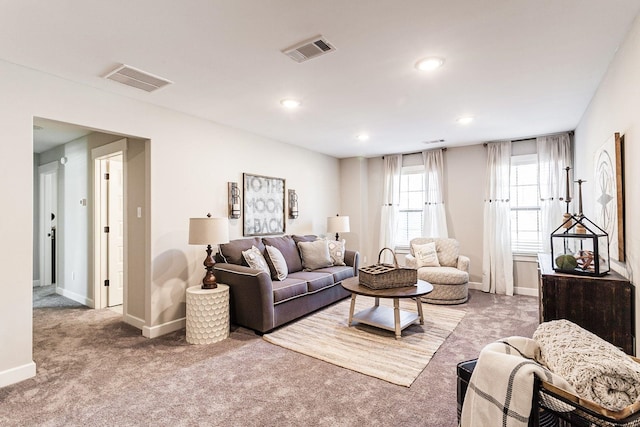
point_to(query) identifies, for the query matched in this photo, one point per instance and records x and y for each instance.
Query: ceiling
(520, 68)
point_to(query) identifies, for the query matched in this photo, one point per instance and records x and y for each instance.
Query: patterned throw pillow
(315, 254)
(336, 251)
(426, 255)
(277, 263)
(256, 260)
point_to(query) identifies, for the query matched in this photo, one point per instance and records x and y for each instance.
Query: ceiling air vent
(137, 78)
(309, 49)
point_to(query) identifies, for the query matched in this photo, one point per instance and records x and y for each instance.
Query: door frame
(44, 220)
(98, 154)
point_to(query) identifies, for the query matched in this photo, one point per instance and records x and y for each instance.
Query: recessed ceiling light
(290, 103)
(465, 120)
(429, 64)
(362, 137)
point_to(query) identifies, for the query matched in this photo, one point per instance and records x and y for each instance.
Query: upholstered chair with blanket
(439, 262)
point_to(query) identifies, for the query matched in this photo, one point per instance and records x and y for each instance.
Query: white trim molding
(134, 321)
(517, 290)
(73, 296)
(17, 374)
(165, 328)
(36, 283)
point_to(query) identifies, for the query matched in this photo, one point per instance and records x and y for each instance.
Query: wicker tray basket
(385, 276)
(571, 410)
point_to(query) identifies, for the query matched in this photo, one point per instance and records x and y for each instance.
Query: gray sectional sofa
(260, 301)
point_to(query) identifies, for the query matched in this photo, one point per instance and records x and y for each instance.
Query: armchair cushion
(447, 249)
(443, 275)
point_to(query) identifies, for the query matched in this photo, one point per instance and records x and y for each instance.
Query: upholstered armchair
(439, 262)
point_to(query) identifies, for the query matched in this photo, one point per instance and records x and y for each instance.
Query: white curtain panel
(390, 204)
(434, 214)
(554, 155)
(497, 259)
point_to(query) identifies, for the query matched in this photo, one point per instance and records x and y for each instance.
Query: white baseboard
(532, 292)
(73, 296)
(17, 374)
(134, 321)
(165, 328)
(36, 283)
(517, 290)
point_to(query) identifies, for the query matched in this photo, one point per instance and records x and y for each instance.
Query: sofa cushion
(339, 272)
(426, 255)
(287, 247)
(289, 288)
(232, 252)
(443, 275)
(305, 238)
(255, 259)
(315, 254)
(315, 280)
(277, 263)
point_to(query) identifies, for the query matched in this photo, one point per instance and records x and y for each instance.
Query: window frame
(518, 247)
(410, 170)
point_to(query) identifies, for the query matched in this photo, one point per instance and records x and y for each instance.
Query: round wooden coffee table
(391, 319)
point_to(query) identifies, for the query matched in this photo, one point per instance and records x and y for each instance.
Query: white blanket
(501, 387)
(597, 370)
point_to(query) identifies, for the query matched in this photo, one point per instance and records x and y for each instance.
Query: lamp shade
(208, 231)
(338, 224)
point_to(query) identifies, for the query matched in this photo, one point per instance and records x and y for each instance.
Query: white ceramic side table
(207, 314)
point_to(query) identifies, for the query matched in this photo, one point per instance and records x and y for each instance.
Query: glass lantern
(579, 246)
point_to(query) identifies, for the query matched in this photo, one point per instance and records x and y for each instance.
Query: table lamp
(208, 231)
(338, 224)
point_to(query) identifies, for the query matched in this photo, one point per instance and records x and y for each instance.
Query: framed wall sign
(263, 205)
(609, 174)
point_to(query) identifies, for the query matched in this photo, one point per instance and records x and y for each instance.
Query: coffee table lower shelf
(384, 318)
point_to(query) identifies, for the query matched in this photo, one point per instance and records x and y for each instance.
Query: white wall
(615, 108)
(190, 160)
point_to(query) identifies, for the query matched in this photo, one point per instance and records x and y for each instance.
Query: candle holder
(234, 201)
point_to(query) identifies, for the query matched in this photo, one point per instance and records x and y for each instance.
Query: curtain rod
(419, 152)
(570, 133)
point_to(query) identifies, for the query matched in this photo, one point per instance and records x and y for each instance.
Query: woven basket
(385, 276)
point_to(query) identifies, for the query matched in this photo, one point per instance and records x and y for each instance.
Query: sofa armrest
(251, 294)
(352, 259)
(410, 261)
(463, 263)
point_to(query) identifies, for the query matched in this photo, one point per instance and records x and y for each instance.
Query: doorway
(109, 220)
(48, 221)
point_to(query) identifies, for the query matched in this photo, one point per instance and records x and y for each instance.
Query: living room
(191, 159)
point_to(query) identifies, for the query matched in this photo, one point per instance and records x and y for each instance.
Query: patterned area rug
(371, 351)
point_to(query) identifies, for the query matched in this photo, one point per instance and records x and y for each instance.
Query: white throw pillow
(336, 251)
(256, 260)
(315, 254)
(426, 255)
(277, 263)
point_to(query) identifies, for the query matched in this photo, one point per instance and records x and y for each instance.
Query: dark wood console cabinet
(603, 305)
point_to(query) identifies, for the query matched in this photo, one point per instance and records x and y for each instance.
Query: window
(411, 205)
(526, 234)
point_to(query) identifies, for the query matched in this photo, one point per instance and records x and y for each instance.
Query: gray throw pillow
(256, 260)
(277, 263)
(315, 254)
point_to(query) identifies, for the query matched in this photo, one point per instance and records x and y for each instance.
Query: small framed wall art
(263, 205)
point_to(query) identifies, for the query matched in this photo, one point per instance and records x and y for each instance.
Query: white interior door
(48, 222)
(115, 236)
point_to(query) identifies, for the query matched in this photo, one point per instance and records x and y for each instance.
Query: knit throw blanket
(501, 386)
(598, 370)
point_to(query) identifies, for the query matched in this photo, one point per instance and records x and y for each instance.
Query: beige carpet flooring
(93, 370)
(376, 352)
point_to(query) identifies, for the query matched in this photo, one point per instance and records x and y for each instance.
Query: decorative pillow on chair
(315, 254)
(426, 255)
(336, 251)
(277, 263)
(255, 259)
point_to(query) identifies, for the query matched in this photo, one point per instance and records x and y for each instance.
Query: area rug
(371, 351)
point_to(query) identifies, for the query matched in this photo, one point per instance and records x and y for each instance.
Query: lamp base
(209, 279)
